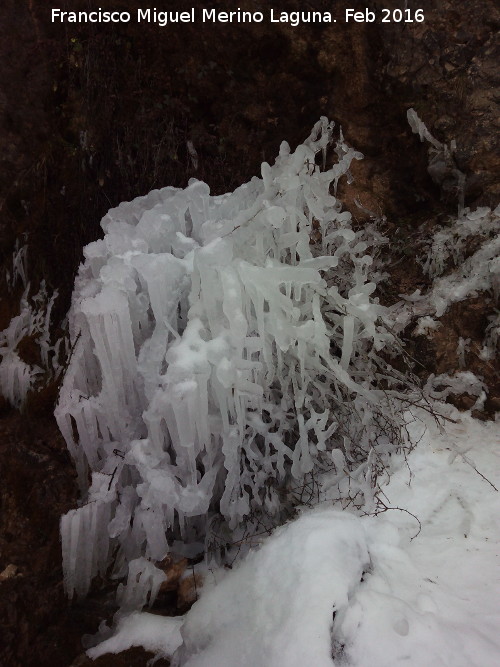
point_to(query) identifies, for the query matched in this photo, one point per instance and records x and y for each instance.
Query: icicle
(419, 127)
(348, 341)
(143, 583)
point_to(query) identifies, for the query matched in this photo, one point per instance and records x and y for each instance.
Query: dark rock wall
(91, 115)
(447, 68)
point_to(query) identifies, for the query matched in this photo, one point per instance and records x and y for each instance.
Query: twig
(399, 509)
(469, 462)
(194, 580)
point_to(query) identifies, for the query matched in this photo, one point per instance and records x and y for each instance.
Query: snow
(276, 608)
(157, 634)
(418, 584)
(433, 600)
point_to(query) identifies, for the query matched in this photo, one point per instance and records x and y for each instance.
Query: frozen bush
(456, 277)
(463, 258)
(221, 357)
(448, 245)
(439, 387)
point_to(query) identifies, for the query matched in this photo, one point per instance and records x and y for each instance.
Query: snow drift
(334, 589)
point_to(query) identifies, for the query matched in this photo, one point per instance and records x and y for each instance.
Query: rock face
(37, 485)
(93, 115)
(447, 67)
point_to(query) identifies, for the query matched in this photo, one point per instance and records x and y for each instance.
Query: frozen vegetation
(456, 277)
(221, 360)
(463, 258)
(17, 377)
(230, 372)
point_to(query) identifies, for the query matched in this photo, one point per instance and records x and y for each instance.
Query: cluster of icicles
(214, 347)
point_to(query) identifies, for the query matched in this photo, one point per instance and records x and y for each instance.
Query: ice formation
(455, 275)
(442, 167)
(463, 259)
(219, 355)
(449, 244)
(18, 378)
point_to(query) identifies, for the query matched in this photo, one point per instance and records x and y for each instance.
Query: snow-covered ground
(417, 585)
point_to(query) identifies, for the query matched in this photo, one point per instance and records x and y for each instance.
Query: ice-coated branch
(221, 357)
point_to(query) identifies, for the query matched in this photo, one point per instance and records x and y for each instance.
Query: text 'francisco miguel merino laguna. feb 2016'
(205, 15)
